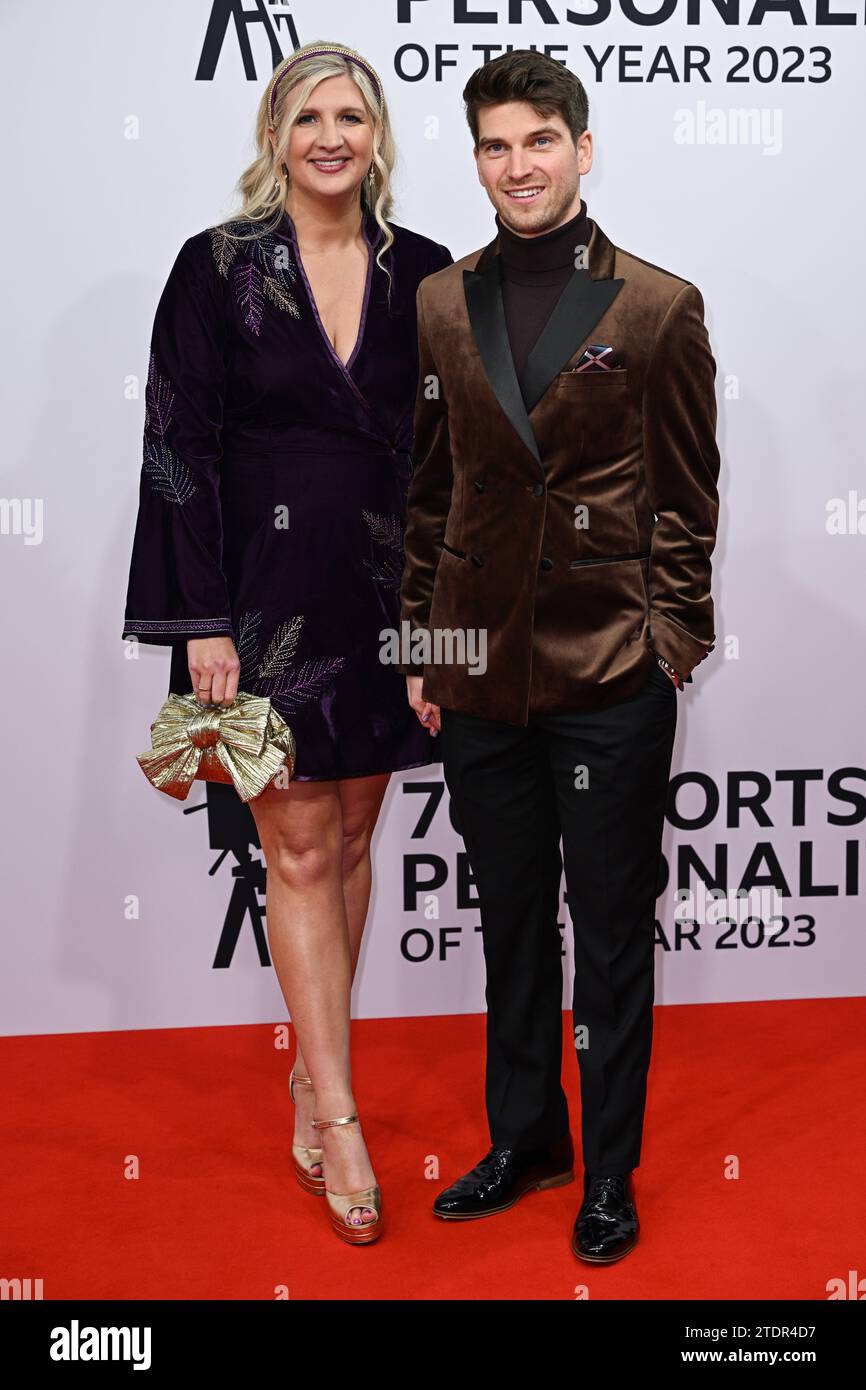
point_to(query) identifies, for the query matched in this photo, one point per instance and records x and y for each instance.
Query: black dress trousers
(597, 782)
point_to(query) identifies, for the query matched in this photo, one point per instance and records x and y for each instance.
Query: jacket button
(477, 559)
(538, 490)
(478, 484)
(546, 563)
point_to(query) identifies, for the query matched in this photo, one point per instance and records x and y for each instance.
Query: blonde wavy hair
(264, 184)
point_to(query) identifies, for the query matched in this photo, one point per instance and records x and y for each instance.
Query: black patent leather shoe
(504, 1176)
(606, 1227)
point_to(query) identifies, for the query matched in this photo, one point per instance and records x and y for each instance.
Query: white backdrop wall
(125, 909)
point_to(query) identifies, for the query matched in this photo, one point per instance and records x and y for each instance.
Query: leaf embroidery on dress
(158, 399)
(282, 649)
(278, 272)
(275, 257)
(388, 571)
(266, 271)
(288, 687)
(306, 683)
(247, 646)
(249, 294)
(224, 249)
(168, 475)
(387, 532)
(280, 296)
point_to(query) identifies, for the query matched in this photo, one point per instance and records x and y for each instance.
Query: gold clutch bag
(244, 744)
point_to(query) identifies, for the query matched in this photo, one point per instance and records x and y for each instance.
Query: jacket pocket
(612, 559)
(590, 383)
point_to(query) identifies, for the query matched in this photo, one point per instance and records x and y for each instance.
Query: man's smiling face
(530, 167)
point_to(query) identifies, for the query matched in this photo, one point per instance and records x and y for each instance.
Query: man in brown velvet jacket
(557, 592)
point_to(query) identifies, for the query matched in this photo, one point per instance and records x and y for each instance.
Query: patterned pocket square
(597, 358)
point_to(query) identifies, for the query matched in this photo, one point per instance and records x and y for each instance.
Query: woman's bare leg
(316, 840)
(361, 799)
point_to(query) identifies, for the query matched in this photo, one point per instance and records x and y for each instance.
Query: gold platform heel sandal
(341, 1203)
(304, 1157)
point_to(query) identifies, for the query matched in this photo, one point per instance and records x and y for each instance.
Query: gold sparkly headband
(323, 52)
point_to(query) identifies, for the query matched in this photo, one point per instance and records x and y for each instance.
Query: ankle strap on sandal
(326, 1124)
(297, 1080)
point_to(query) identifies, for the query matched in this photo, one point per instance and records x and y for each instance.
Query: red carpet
(215, 1212)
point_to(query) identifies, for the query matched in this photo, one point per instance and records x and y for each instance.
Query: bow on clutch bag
(244, 744)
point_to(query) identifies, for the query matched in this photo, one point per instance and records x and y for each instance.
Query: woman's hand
(428, 714)
(215, 668)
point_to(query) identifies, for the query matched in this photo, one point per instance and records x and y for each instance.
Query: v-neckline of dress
(344, 367)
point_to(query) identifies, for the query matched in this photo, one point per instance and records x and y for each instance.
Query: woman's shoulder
(423, 251)
(220, 244)
(204, 251)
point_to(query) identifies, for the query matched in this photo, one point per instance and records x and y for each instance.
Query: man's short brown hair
(525, 75)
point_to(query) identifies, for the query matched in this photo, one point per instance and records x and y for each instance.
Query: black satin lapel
(483, 293)
(578, 310)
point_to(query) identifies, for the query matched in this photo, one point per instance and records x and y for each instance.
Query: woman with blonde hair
(268, 546)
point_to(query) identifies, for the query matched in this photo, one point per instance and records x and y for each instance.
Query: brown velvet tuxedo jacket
(578, 532)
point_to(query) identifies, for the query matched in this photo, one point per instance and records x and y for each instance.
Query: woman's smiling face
(331, 143)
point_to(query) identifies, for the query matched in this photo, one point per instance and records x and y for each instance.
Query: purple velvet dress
(272, 498)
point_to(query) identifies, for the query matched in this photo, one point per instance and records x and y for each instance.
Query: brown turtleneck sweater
(535, 271)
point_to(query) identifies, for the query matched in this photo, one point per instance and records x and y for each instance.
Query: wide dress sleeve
(177, 588)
